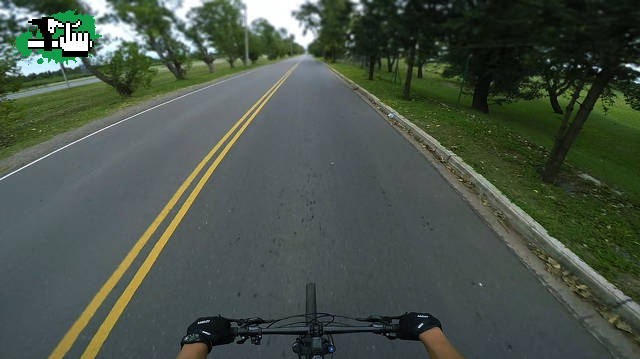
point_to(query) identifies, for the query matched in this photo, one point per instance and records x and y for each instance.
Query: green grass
(31, 120)
(509, 145)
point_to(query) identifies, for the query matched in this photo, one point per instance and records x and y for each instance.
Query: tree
(221, 21)
(367, 31)
(602, 39)
(10, 79)
(297, 48)
(268, 37)
(315, 48)
(283, 42)
(421, 21)
(256, 47)
(328, 20)
(275, 43)
(194, 33)
(493, 38)
(155, 23)
(557, 77)
(429, 46)
(391, 28)
(128, 69)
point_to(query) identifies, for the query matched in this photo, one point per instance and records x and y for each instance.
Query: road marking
(72, 334)
(118, 308)
(121, 121)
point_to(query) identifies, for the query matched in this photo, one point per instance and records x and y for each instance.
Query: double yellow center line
(118, 308)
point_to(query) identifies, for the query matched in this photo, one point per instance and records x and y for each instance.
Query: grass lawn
(510, 144)
(35, 119)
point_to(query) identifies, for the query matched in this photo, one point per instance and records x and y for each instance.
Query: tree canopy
(588, 50)
(155, 23)
(221, 21)
(329, 21)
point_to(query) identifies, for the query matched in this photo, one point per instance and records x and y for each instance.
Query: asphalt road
(317, 188)
(56, 87)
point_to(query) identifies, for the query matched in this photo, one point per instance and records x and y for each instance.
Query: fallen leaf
(584, 293)
(623, 326)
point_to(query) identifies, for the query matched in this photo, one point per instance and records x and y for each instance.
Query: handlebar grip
(237, 331)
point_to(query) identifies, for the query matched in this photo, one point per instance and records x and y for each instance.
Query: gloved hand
(413, 324)
(211, 331)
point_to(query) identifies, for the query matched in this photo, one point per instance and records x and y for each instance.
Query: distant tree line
(505, 50)
(215, 29)
(48, 74)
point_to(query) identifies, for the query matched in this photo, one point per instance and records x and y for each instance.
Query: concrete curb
(514, 216)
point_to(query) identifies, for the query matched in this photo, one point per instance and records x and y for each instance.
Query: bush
(128, 69)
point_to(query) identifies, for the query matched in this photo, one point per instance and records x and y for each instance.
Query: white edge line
(121, 121)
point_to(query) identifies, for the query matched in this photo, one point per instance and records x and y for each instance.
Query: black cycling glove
(413, 324)
(211, 331)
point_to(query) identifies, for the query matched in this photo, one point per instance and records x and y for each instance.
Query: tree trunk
(231, 61)
(123, 90)
(179, 71)
(210, 65)
(553, 99)
(94, 70)
(389, 63)
(420, 64)
(372, 66)
(565, 138)
(481, 93)
(379, 63)
(410, 60)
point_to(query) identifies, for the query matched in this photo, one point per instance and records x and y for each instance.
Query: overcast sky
(278, 12)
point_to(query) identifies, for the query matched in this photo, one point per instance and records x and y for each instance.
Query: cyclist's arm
(193, 351)
(437, 345)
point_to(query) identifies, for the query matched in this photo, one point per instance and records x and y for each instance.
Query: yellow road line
(72, 334)
(118, 308)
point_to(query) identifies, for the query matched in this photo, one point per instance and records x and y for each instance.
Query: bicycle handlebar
(315, 339)
(257, 331)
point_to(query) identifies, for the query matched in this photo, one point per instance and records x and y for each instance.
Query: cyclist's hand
(211, 331)
(413, 324)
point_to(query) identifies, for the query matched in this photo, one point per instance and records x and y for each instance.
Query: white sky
(277, 12)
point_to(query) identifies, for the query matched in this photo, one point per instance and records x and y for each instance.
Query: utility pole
(64, 75)
(246, 38)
